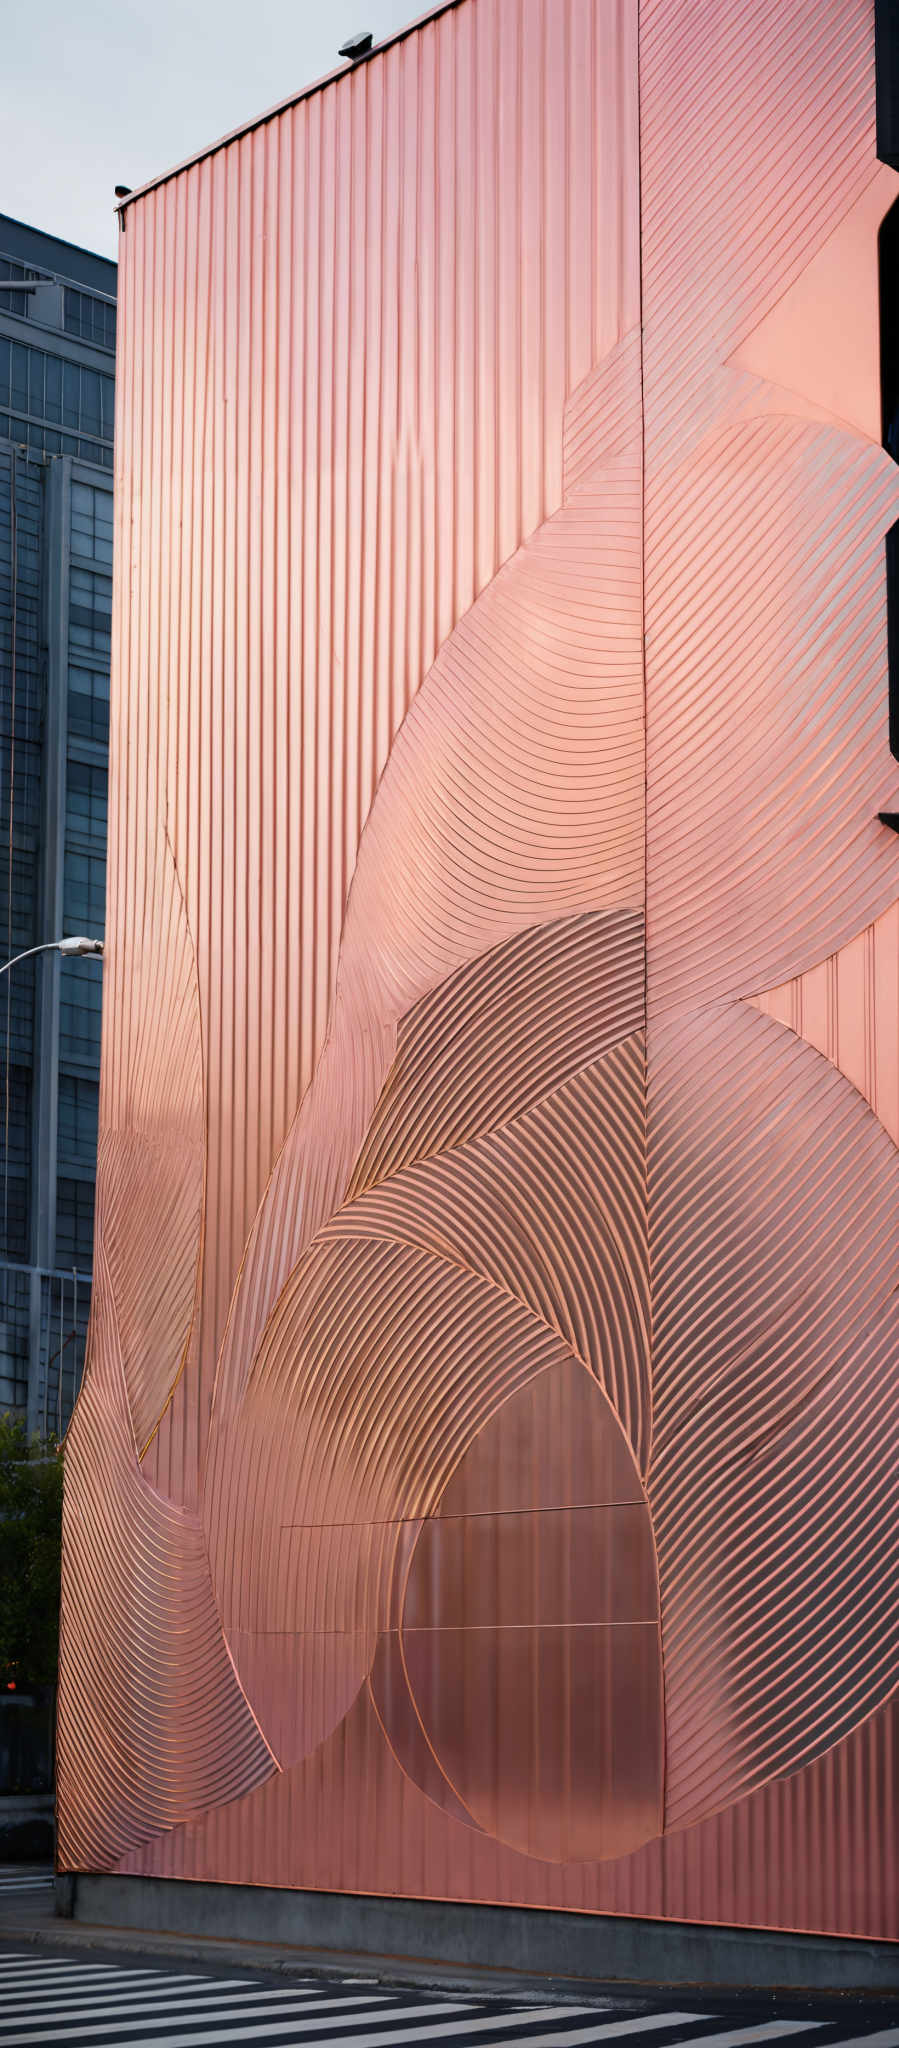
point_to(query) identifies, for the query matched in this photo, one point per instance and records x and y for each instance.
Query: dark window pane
(36, 383)
(53, 395)
(71, 395)
(80, 1003)
(74, 1222)
(77, 1120)
(86, 787)
(19, 377)
(90, 402)
(89, 703)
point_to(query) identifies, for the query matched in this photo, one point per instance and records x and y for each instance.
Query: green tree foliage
(30, 1557)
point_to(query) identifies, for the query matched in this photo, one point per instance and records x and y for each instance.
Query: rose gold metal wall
(484, 1484)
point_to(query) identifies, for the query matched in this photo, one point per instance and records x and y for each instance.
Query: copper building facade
(484, 1482)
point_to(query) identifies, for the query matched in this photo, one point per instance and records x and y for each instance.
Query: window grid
(80, 1001)
(89, 703)
(90, 610)
(77, 1121)
(92, 522)
(84, 893)
(65, 1308)
(92, 318)
(86, 804)
(15, 1333)
(49, 403)
(74, 1221)
(15, 302)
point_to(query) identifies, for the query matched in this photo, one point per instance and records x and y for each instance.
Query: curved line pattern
(513, 796)
(371, 1379)
(503, 1031)
(782, 1617)
(410, 1319)
(764, 849)
(153, 1725)
(747, 165)
(530, 1614)
(846, 1007)
(381, 1363)
(774, 1233)
(552, 1209)
(151, 1153)
(604, 415)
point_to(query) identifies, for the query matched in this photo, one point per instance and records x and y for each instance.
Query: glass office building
(57, 343)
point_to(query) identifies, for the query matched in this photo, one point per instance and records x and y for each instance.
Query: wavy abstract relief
(498, 1216)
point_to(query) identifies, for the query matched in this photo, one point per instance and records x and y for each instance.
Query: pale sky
(111, 92)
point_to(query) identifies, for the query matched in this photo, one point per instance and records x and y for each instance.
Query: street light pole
(79, 948)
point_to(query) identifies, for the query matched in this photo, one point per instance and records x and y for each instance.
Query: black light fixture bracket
(356, 46)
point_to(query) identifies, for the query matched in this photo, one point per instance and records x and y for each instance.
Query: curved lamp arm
(80, 947)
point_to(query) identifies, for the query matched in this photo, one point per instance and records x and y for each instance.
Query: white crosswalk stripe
(296, 2009)
(887, 2038)
(89, 1973)
(767, 2030)
(446, 2030)
(46, 1965)
(649, 2022)
(138, 1997)
(49, 1998)
(145, 2002)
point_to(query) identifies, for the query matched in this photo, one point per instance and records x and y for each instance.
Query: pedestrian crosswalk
(49, 1997)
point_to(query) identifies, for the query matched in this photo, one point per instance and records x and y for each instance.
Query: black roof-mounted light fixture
(356, 46)
(123, 191)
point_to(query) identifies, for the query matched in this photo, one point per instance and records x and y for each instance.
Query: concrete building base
(414, 1936)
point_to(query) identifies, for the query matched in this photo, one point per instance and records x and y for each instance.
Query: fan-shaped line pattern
(381, 1364)
(554, 1444)
(818, 350)
(502, 1032)
(348, 339)
(366, 1328)
(763, 533)
(551, 1208)
(774, 1231)
(604, 415)
(152, 1147)
(530, 1614)
(751, 152)
(781, 1610)
(513, 797)
(774, 1238)
(847, 1007)
(153, 1725)
(763, 842)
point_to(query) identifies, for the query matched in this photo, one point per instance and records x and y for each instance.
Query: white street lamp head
(79, 945)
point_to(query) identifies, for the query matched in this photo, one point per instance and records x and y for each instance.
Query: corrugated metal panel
(446, 226)
(773, 1192)
(536, 1413)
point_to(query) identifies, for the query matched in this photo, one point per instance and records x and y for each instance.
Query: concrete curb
(431, 1942)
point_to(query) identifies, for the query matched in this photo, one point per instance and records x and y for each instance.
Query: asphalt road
(92, 2000)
